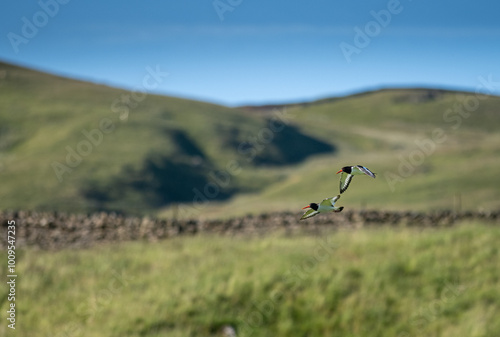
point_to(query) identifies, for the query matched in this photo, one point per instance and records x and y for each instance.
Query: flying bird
(327, 205)
(348, 172)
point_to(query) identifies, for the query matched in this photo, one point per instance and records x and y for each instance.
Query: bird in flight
(348, 172)
(327, 205)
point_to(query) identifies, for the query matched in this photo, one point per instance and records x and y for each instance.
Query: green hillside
(69, 145)
(427, 156)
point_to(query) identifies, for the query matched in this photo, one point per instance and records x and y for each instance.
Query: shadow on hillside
(160, 181)
(185, 145)
(187, 173)
(290, 146)
(286, 146)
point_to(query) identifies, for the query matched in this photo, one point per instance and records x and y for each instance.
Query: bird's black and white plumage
(348, 172)
(327, 205)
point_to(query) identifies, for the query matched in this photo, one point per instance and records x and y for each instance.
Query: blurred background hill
(71, 145)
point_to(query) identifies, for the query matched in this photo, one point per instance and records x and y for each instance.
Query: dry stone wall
(46, 230)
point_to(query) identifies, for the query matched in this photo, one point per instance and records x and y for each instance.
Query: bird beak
(339, 172)
(306, 207)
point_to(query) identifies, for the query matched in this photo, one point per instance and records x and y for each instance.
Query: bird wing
(366, 171)
(345, 180)
(330, 202)
(309, 213)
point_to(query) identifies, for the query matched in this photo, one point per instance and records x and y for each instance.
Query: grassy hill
(75, 146)
(427, 156)
(71, 145)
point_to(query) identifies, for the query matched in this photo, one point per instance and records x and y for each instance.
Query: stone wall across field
(46, 230)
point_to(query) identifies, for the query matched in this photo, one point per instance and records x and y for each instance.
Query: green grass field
(388, 282)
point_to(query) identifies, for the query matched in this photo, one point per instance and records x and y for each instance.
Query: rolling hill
(70, 145)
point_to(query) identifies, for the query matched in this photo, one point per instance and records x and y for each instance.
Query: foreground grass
(367, 282)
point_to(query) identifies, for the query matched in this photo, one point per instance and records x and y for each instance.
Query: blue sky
(256, 51)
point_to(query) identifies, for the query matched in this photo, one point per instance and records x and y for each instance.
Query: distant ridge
(424, 91)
